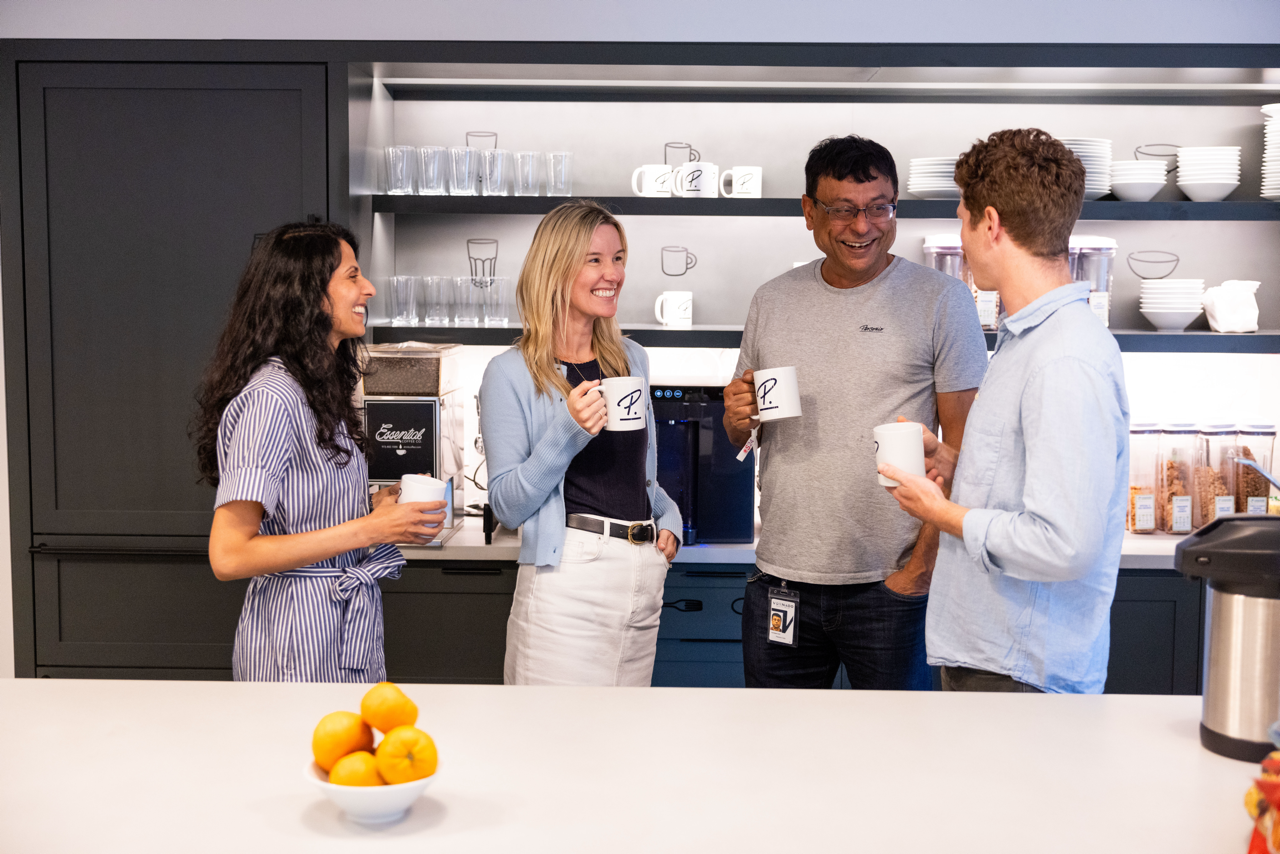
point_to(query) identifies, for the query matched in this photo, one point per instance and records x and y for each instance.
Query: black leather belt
(636, 532)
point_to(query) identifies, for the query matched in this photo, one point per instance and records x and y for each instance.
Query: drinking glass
(482, 252)
(559, 173)
(438, 296)
(496, 292)
(526, 173)
(433, 170)
(493, 180)
(404, 300)
(400, 169)
(468, 298)
(482, 139)
(465, 163)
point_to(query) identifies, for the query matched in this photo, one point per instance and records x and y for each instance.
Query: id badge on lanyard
(784, 614)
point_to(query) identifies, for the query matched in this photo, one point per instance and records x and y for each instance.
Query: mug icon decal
(677, 260)
(629, 403)
(766, 388)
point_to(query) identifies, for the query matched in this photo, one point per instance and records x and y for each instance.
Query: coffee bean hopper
(1239, 556)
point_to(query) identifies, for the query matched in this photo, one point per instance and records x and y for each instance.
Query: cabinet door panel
(134, 611)
(143, 188)
(1155, 636)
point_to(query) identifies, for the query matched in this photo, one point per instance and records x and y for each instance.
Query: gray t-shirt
(863, 356)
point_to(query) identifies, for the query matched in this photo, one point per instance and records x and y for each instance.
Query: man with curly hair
(1030, 550)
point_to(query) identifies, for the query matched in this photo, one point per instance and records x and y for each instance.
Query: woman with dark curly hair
(280, 437)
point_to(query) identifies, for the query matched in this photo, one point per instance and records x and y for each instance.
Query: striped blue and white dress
(317, 623)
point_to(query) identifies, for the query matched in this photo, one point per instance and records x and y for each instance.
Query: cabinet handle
(480, 570)
(736, 605)
(711, 573)
(684, 604)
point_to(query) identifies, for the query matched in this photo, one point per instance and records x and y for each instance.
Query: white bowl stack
(1138, 180)
(1208, 173)
(933, 178)
(1095, 154)
(1271, 153)
(1171, 304)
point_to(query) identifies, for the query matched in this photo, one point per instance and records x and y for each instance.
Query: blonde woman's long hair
(558, 253)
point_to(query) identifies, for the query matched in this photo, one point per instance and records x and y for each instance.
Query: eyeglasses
(875, 213)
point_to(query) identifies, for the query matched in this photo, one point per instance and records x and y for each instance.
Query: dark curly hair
(1033, 181)
(281, 308)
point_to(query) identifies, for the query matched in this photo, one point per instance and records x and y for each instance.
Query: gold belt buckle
(631, 529)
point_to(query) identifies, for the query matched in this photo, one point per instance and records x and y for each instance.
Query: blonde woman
(599, 533)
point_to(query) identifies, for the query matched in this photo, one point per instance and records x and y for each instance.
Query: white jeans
(592, 620)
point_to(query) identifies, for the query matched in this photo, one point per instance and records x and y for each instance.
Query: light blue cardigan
(529, 441)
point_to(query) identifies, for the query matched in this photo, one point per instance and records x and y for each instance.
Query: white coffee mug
(777, 394)
(698, 179)
(420, 487)
(674, 308)
(652, 179)
(899, 444)
(625, 402)
(744, 182)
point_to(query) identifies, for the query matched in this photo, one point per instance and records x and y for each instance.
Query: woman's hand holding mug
(416, 522)
(587, 407)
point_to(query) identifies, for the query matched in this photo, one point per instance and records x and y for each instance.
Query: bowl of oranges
(373, 785)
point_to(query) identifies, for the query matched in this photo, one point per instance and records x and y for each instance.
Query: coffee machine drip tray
(698, 466)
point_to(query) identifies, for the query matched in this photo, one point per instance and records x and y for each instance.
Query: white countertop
(1140, 551)
(105, 766)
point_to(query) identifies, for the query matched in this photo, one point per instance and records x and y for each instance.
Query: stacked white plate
(1138, 180)
(933, 178)
(1271, 153)
(1171, 304)
(1095, 154)
(1208, 173)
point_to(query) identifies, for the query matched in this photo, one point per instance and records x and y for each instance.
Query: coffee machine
(699, 468)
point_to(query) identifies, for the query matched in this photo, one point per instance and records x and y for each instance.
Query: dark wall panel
(148, 184)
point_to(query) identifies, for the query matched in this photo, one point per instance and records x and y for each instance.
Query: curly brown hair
(281, 308)
(1033, 181)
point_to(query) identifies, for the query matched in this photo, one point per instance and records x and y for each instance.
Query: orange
(338, 734)
(385, 707)
(356, 769)
(407, 753)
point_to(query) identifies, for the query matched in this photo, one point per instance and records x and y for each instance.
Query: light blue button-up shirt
(1045, 470)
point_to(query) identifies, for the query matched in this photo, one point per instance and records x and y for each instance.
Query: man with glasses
(872, 336)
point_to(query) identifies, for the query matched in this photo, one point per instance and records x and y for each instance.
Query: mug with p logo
(674, 308)
(745, 182)
(777, 394)
(653, 180)
(697, 179)
(624, 402)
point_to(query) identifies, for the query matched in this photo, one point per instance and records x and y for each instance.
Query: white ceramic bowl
(1170, 321)
(1271, 110)
(370, 804)
(1136, 191)
(1214, 191)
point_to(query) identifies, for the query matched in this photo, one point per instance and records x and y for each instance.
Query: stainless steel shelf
(908, 208)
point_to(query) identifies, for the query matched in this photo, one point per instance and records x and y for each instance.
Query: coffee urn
(1239, 557)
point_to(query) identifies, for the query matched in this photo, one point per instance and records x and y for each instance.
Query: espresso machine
(698, 466)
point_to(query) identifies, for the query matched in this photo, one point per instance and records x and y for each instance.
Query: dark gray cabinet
(143, 186)
(1156, 630)
(140, 189)
(446, 621)
(133, 611)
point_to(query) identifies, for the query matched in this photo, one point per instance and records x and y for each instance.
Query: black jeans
(876, 633)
